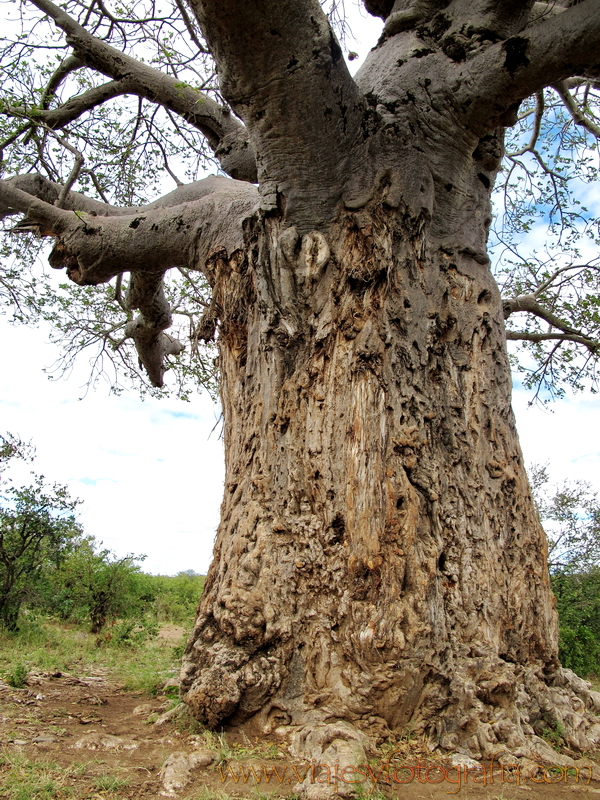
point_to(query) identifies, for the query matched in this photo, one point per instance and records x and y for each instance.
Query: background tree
(92, 582)
(379, 560)
(37, 524)
(570, 514)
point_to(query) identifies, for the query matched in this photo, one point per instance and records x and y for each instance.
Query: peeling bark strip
(379, 562)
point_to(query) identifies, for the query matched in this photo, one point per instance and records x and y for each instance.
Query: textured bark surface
(379, 562)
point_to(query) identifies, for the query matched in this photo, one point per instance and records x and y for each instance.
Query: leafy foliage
(37, 524)
(69, 123)
(129, 151)
(545, 238)
(571, 517)
(93, 584)
(113, 596)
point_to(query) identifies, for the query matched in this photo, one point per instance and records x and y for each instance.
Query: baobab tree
(379, 561)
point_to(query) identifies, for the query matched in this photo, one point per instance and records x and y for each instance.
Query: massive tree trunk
(379, 559)
(379, 562)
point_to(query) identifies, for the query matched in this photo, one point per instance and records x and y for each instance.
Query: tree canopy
(119, 102)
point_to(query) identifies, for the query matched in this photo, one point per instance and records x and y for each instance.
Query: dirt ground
(104, 742)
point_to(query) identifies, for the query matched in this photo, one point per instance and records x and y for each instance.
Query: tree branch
(574, 110)
(529, 304)
(283, 72)
(57, 118)
(36, 186)
(66, 67)
(526, 336)
(209, 217)
(225, 134)
(146, 293)
(541, 55)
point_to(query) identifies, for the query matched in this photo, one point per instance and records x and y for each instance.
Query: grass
(23, 779)
(239, 751)
(42, 645)
(110, 783)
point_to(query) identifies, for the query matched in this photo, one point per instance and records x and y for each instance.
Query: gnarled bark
(379, 560)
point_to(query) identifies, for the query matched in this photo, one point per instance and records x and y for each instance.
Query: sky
(150, 473)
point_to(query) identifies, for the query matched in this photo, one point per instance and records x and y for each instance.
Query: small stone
(170, 715)
(143, 711)
(204, 757)
(19, 742)
(43, 737)
(175, 772)
(462, 760)
(104, 741)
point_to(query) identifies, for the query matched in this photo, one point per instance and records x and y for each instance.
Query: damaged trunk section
(379, 560)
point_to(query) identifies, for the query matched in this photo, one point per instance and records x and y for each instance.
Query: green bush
(17, 677)
(37, 527)
(570, 514)
(93, 585)
(578, 605)
(175, 597)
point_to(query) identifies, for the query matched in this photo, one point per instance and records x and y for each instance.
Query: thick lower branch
(146, 293)
(542, 54)
(209, 218)
(38, 187)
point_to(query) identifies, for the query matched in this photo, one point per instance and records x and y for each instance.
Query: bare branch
(56, 118)
(73, 175)
(530, 304)
(225, 134)
(574, 110)
(190, 26)
(146, 293)
(66, 67)
(537, 124)
(525, 336)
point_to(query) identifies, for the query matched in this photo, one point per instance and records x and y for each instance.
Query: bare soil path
(84, 737)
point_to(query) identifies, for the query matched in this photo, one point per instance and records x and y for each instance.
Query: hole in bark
(507, 658)
(484, 297)
(406, 303)
(274, 32)
(292, 63)
(442, 561)
(399, 502)
(317, 475)
(339, 529)
(484, 179)
(516, 49)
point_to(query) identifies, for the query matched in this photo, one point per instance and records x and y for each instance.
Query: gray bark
(379, 561)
